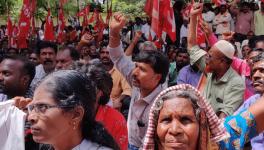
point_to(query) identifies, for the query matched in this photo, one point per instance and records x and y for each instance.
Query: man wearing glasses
(224, 88)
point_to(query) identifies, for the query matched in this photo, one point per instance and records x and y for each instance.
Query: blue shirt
(188, 76)
(257, 143)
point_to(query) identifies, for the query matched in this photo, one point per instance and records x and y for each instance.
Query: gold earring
(74, 125)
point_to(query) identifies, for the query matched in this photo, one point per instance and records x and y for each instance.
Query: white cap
(226, 48)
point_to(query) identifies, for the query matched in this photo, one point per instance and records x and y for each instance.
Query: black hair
(28, 67)
(46, 44)
(158, 62)
(259, 57)
(73, 52)
(103, 80)
(70, 88)
(181, 50)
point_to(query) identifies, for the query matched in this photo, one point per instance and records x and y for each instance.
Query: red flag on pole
(9, 27)
(162, 17)
(48, 31)
(9, 30)
(86, 13)
(169, 25)
(24, 24)
(61, 26)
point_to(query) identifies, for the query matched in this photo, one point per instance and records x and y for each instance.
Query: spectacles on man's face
(42, 108)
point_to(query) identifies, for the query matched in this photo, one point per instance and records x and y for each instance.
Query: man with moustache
(46, 52)
(121, 91)
(257, 75)
(224, 88)
(146, 76)
(65, 57)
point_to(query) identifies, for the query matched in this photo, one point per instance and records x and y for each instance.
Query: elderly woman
(62, 114)
(180, 118)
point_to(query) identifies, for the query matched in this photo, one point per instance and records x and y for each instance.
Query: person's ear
(77, 115)
(158, 77)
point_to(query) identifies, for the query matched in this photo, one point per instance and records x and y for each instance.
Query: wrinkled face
(48, 59)
(104, 56)
(182, 59)
(11, 78)
(144, 76)
(49, 125)
(258, 76)
(33, 58)
(63, 60)
(213, 59)
(251, 55)
(245, 51)
(178, 128)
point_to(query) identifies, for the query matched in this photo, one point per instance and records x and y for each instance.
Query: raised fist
(117, 22)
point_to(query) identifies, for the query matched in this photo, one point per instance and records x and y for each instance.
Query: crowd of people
(130, 89)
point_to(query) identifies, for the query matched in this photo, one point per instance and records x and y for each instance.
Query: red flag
(169, 25)
(148, 7)
(48, 31)
(61, 26)
(84, 11)
(9, 30)
(95, 16)
(162, 17)
(24, 24)
(85, 19)
(9, 27)
(13, 42)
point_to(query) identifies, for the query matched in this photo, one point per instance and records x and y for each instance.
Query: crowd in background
(128, 75)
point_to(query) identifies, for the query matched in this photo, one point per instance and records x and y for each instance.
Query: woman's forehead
(177, 105)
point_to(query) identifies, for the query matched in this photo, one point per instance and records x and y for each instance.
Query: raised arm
(195, 11)
(117, 55)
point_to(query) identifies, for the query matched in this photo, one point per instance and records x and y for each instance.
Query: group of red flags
(160, 11)
(18, 35)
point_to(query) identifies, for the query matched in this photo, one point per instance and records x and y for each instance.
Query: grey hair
(148, 44)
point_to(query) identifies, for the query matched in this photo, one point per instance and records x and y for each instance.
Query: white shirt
(86, 144)
(183, 32)
(12, 122)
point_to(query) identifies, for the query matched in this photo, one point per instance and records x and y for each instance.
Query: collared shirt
(244, 22)
(85, 144)
(139, 106)
(39, 75)
(222, 22)
(188, 76)
(259, 22)
(120, 85)
(226, 94)
(257, 142)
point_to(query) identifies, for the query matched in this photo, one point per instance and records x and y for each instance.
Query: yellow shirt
(120, 85)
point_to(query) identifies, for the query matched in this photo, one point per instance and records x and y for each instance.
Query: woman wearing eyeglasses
(62, 114)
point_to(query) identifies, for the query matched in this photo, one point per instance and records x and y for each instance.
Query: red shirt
(115, 124)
